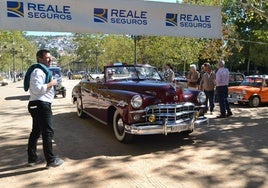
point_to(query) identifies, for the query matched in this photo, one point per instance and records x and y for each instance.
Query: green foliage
(245, 34)
(203, 2)
(250, 35)
(15, 43)
(243, 45)
(152, 50)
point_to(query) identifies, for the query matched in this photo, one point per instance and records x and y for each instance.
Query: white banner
(133, 17)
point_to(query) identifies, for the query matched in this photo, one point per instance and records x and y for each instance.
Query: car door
(264, 91)
(89, 97)
(94, 100)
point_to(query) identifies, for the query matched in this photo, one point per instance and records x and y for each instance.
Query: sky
(39, 33)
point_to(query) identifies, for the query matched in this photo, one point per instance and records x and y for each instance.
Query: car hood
(164, 91)
(243, 88)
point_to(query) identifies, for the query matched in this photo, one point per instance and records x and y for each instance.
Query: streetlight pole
(3, 48)
(97, 53)
(13, 52)
(21, 48)
(135, 49)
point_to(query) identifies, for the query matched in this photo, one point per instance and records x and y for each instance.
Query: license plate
(179, 128)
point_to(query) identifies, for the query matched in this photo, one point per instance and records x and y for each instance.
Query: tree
(258, 6)
(213, 50)
(158, 51)
(16, 52)
(251, 36)
(244, 34)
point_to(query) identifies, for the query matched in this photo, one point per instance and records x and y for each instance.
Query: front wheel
(119, 129)
(254, 101)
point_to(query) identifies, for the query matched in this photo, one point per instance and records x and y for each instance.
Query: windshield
(257, 82)
(132, 73)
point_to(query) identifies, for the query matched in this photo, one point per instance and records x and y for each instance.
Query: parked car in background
(134, 100)
(180, 80)
(236, 78)
(3, 79)
(77, 75)
(59, 88)
(252, 91)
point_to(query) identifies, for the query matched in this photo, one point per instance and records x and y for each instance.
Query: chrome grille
(235, 95)
(171, 112)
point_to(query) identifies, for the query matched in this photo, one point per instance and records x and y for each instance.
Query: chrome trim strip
(232, 100)
(137, 111)
(103, 122)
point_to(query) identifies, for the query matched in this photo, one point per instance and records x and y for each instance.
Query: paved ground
(229, 152)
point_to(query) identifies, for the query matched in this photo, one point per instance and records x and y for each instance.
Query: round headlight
(201, 98)
(136, 101)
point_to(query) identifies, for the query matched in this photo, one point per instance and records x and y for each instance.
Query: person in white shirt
(38, 80)
(222, 82)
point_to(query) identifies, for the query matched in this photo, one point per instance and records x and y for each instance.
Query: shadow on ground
(20, 97)
(241, 141)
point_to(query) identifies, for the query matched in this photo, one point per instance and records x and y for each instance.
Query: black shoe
(229, 114)
(221, 116)
(36, 162)
(57, 162)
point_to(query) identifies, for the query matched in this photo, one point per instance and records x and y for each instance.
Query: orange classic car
(252, 91)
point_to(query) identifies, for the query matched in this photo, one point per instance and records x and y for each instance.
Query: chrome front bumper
(235, 100)
(165, 128)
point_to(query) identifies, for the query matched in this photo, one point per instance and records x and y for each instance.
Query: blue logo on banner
(15, 9)
(100, 15)
(171, 19)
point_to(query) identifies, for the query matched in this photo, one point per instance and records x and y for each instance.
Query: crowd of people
(211, 82)
(207, 80)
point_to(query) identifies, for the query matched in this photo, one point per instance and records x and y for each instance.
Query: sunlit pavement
(230, 152)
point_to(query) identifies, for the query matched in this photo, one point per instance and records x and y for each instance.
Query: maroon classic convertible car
(135, 100)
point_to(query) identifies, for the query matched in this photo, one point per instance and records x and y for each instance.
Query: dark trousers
(222, 92)
(210, 99)
(42, 124)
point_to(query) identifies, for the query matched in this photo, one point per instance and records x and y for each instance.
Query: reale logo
(100, 15)
(171, 19)
(15, 9)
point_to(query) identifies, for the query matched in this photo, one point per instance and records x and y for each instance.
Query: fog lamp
(196, 114)
(137, 117)
(151, 118)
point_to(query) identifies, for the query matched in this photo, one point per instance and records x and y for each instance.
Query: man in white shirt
(39, 81)
(222, 82)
